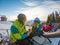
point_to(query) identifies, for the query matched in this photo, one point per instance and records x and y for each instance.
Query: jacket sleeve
(39, 28)
(24, 36)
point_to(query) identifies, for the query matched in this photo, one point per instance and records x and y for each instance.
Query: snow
(5, 24)
(5, 28)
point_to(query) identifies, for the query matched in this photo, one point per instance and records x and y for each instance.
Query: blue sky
(9, 6)
(31, 8)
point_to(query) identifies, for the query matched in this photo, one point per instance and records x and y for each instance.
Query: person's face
(24, 20)
(35, 24)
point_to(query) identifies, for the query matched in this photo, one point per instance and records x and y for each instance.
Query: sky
(31, 8)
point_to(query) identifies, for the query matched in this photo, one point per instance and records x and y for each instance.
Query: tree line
(54, 17)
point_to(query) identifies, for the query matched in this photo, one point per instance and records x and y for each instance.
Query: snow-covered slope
(5, 24)
(5, 27)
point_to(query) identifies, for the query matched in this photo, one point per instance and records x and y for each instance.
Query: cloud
(41, 11)
(30, 3)
(12, 18)
(52, 5)
(37, 2)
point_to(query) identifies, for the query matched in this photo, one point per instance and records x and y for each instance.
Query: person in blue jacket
(37, 27)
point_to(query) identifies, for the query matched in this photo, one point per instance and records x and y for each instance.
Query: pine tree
(53, 17)
(48, 19)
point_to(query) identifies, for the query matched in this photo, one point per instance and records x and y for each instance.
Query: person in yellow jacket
(18, 34)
